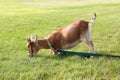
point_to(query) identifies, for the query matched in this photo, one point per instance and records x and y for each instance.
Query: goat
(64, 38)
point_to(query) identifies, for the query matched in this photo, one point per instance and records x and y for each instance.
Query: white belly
(67, 46)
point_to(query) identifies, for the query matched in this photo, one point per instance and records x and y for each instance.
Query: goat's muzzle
(30, 55)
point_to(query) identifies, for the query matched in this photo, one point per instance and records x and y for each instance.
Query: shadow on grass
(83, 56)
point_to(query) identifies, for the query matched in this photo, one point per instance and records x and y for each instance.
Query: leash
(85, 54)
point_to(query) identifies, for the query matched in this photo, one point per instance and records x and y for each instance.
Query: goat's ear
(28, 40)
(36, 39)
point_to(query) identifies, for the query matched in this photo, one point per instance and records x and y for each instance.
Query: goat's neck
(43, 43)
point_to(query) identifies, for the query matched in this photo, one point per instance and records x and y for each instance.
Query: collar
(49, 44)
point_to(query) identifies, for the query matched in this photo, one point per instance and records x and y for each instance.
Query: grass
(19, 20)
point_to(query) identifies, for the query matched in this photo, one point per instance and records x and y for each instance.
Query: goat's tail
(91, 23)
(92, 19)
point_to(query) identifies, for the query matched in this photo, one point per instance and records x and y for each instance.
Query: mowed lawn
(21, 19)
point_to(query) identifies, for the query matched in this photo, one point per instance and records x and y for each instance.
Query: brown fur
(68, 35)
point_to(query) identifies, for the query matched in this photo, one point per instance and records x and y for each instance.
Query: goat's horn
(36, 40)
(36, 37)
(95, 14)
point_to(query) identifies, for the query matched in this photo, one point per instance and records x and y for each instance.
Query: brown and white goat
(64, 38)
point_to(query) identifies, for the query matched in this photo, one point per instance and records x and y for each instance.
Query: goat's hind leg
(91, 46)
(87, 39)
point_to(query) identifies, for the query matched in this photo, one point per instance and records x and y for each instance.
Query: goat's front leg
(53, 52)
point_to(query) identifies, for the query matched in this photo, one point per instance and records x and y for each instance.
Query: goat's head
(33, 46)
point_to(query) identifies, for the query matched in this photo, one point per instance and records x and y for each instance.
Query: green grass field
(21, 19)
